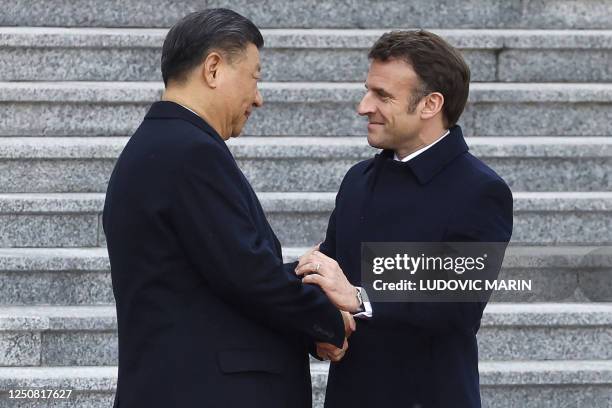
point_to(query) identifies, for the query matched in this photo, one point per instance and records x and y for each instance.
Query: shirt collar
(421, 150)
(431, 161)
(426, 165)
(190, 110)
(173, 110)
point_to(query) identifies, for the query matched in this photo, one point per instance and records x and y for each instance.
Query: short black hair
(439, 66)
(197, 34)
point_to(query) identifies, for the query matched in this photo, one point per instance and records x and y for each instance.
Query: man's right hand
(349, 323)
(330, 352)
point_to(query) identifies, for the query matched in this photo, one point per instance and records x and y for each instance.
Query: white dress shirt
(421, 150)
(190, 110)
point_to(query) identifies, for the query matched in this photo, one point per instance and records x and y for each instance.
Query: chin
(236, 132)
(375, 142)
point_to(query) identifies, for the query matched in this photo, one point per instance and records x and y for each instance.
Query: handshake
(316, 268)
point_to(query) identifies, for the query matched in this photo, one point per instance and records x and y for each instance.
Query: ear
(211, 68)
(432, 104)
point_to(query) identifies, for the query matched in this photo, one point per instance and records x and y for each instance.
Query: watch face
(360, 298)
(363, 295)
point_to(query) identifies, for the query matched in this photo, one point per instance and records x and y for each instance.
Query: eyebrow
(379, 91)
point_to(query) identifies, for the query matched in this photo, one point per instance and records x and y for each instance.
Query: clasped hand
(317, 268)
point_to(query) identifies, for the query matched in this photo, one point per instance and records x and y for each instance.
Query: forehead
(392, 74)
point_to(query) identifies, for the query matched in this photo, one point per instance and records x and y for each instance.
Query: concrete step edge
(510, 373)
(294, 92)
(485, 38)
(90, 148)
(600, 201)
(94, 259)
(103, 318)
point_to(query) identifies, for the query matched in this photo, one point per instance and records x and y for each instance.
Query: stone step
(528, 384)
(299, 219)
(87, 335)
(81, 54)
(81, 276)
(58, 336)
(303, 109)
(318, 13)
(56, 276)
(91, 387)
(84, 164)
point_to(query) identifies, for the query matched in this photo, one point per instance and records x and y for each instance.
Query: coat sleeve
(328, 246)
(214, 225)
(486, 217)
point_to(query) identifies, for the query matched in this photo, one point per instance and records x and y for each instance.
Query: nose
(365, 106)
(258, 102)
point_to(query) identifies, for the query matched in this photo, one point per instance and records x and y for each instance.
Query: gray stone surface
(59, 230)
(101, 379)
(296, 38)
(313, 13)
(68, 220)
(547, 314)
(300, 219)
(543, 343)
(554, 66)
(45, 176)
(54, 259)
(545, 372)
(591, 284)
(80, 276)
(51, 203)
(543, 331)
(544, 384)
(74, 164)
(59, 318)
(79, 348)
(20, 348)
(303, 109)
(85, 399)
(87, 64)
(142, 64)
(540, 218)
(546, 396)
(540, 119)
(527, 164)
(51, 54)
(546, 331)
(57, 288)
(549, 384)
(566, 13)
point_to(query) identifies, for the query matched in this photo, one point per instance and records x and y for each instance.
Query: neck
(201, 106)
(423, 139)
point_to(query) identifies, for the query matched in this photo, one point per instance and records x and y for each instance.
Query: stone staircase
(76, 79)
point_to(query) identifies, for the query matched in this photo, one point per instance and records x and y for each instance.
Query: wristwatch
(362, 297)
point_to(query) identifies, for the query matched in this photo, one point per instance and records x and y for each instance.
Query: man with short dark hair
(208, 315)
(423, 187)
